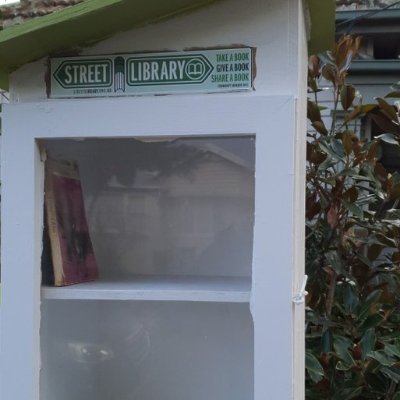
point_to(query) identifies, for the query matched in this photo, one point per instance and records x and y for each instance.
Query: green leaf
(352, 327)
(392, 350)
(368, 342)
(394, 213)
(341, 345)
(327, 148)
(353, 208)
(365, 305)
(388, 138)
(341, 366)
(353, 173)
(326, 341)
(371, 322)
(314, 367)
(337, 147)
(395, 178)
(382, 358)
(334, 260)
(312, 316)
(389, 242)
(391, 374)
(395, 86)
(396, 396)
(327, 163)
(350, 298)
(347, 393)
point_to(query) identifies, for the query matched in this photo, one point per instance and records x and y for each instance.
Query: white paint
(274, 113)
(226, 115)
(157, 288)
(299, 207)
(21, 218)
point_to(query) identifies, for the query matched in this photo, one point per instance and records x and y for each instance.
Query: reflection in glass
(181, 207)
(146, 351)
(176, 207)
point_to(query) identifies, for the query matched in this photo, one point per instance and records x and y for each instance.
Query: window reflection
(181, 206)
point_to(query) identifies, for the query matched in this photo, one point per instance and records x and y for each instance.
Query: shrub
(352, 242)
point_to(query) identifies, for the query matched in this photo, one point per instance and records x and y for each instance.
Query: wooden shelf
(157, 288)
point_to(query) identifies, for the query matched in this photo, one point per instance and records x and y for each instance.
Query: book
(72, 254)
(47, 263)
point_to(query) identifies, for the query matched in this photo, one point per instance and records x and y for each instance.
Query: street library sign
(219, 70)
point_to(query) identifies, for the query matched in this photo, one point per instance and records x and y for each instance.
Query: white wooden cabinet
(194, 298)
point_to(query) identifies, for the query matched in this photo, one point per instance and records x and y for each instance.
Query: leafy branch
(352, 240)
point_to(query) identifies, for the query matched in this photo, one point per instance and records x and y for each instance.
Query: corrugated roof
(354, 5)
(25, 10)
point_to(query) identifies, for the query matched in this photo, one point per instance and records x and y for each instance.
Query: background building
(377, 68)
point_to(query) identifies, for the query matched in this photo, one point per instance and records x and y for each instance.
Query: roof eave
(81, 25)
(94, 20)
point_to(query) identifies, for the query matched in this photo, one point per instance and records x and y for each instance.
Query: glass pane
(182, 206)
(146, 351)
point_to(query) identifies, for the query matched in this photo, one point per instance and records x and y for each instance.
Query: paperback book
(72, 256)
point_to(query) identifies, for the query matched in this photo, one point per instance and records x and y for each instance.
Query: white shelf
(161, 288)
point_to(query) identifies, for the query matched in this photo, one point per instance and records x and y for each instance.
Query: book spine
(53, 231)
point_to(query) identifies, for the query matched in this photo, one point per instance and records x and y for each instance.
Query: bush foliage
(352, 241)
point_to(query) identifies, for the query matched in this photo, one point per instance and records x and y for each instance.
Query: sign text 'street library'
(153, 73)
